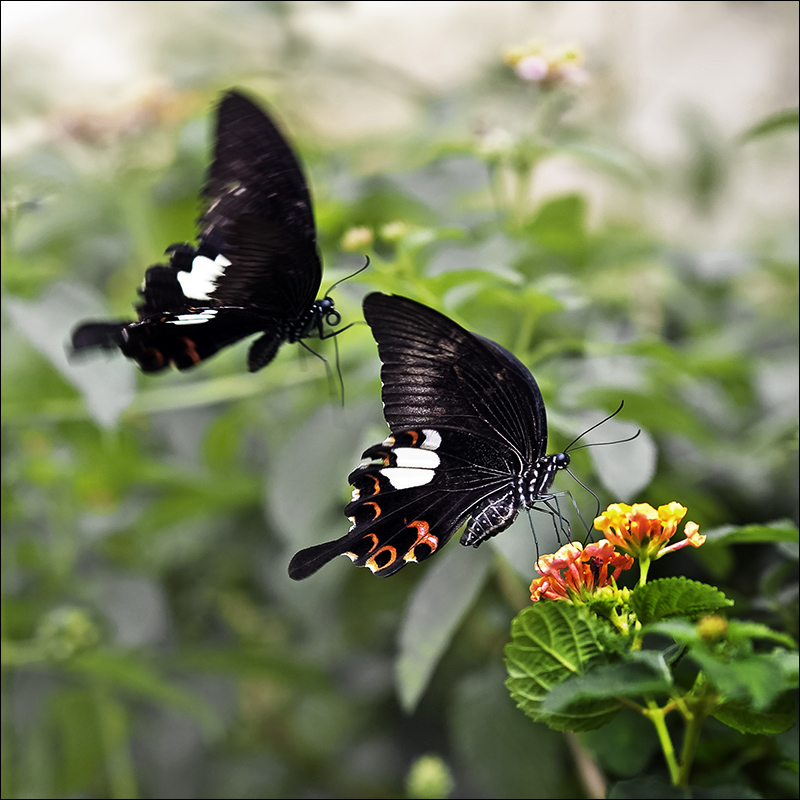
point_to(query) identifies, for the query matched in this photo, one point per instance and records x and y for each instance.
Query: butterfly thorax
(312, 322)
(535, 481)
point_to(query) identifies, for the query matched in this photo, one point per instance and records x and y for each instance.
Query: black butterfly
(255, 269)
(469, 435)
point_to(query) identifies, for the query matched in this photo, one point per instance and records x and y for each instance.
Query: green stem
(113, 735)
(658, 718)
(644, 568)
(695, 712)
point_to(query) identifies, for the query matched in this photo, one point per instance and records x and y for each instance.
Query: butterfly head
(326, 310)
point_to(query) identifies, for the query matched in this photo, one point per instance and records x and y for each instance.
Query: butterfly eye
(562, 460)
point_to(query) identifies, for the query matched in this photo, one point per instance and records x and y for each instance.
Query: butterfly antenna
(600, 444)
(347, 277)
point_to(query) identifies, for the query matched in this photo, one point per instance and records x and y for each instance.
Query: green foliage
(671, 597)
(614, 665)
(551, 643)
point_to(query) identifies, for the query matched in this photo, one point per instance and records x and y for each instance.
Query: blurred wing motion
(255, 268)
(469, 435)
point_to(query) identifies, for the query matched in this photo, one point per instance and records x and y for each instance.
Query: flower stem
(658, 718)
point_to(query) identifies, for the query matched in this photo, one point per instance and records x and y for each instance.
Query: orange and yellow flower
(575, 572)
(643, 532)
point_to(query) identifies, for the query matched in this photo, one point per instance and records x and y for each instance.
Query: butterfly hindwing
(412, 495)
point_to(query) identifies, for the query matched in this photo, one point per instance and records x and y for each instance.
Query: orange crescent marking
(377, 488)
(372, 563)
(157, 352)
(191, 350)
(414, 436)
(377, 511)
(375, 543)
(423, 537)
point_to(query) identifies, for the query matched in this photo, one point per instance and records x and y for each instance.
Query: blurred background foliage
(153, 644)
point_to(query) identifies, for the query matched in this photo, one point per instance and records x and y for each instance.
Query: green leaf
(784, 120)
(439, 603)
(606, 682)
(624, 746)
(778, 531)
(551, 642)
(108, 385)
(74, 713)
(650, 787)
(743, 718)
(739, 630)
(559, 228)
(643, 788)
(674, 597)
(757, 679)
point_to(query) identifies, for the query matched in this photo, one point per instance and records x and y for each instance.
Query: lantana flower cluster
(536, 63)
(642, 531)
(576, 573)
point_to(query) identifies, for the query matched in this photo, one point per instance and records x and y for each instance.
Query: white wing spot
(432, 439)
(202, 280)
(205, 315)
(415, 457)
(404, 478)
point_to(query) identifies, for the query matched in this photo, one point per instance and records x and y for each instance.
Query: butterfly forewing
(410, 498)
(259, 209)
(436, 373)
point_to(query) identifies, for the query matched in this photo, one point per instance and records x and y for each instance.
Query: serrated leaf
(607, 681)
(439, 603)
(551, 642)
(675, 597)
(745, 719)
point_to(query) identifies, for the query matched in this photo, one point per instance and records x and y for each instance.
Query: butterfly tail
(107, 335)
(308, 561)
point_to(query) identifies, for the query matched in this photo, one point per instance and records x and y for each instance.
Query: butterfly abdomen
(492, 518)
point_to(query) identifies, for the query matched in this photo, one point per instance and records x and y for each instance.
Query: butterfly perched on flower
(468, 442)
(255, 269)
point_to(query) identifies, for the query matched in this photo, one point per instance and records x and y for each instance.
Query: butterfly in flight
(468, 442)
(255, 268)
